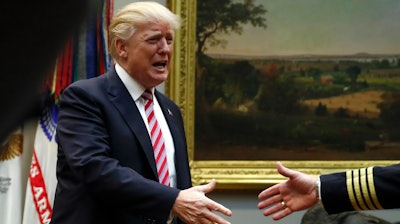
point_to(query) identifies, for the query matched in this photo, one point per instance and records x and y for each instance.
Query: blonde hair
(138, 13)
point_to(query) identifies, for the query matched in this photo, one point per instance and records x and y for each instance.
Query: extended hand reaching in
(297, 193)
(192, 206)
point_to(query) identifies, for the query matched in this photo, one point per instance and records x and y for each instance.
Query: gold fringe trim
(12, 148)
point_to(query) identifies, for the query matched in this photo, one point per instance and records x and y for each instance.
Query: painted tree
(225, 17)
(390, 109)
(221, 17)
(353, 71)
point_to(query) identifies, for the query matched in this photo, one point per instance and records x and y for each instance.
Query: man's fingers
(217, 219)
(213, 217)
(213, 206)
(279, 215)
(277, 211)
(269, 201)
(269, 192)
(272, 209)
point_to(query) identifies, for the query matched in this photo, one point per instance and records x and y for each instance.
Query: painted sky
(321, 27)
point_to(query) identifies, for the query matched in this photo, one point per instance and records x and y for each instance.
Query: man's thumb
(207, 188)
(284, 171)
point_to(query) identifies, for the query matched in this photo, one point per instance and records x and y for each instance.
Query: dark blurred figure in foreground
(318, 215)
(33, 34)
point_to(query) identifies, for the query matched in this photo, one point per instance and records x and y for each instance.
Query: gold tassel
(13, 147)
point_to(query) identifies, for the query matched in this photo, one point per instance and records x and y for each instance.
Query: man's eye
(152, 41)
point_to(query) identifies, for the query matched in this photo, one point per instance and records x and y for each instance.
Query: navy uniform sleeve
(368, 188)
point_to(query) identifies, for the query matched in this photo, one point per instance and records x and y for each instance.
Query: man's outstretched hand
(193, 206)
(297, 193)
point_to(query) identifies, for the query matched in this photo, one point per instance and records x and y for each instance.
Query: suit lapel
(169, 116)
(122, 100)
(174, 121)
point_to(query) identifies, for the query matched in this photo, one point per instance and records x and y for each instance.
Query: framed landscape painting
(313, 84)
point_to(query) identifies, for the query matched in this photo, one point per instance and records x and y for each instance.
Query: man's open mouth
(161, 64)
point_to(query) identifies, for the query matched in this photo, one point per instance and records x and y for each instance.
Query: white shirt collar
(135, 89)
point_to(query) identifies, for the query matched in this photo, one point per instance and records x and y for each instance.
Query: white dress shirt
(136, 90)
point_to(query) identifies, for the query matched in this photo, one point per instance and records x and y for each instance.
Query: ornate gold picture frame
(230, 174)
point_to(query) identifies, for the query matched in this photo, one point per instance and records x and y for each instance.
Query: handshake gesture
(302, 191)
(299, 192)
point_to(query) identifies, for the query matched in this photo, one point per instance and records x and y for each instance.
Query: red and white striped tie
(157, 139)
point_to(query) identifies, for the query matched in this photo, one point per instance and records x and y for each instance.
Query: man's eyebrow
(153, 33)
(156, 33)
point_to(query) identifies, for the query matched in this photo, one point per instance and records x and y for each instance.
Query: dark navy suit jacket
(106, 170)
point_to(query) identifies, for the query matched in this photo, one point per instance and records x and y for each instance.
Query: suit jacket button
(150, 221)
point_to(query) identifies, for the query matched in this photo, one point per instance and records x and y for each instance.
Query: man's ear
(120, 46)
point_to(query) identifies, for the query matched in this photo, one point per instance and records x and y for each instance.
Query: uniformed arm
(368, 188)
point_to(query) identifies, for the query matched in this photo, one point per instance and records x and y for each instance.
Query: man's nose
(163, 45)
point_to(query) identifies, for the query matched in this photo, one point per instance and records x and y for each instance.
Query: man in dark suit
(368, 188)
(107, 170)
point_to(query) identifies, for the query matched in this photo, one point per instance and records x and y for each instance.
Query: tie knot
(147, 95)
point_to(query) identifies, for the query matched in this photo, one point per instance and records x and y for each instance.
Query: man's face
(149, 53)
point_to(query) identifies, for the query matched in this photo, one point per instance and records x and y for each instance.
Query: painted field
(362, 103)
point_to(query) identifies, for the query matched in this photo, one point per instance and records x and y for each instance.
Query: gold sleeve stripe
(356, 186)
(364, 188)
(349, 184)
(371, 185)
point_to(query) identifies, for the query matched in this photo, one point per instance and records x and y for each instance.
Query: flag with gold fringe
(10, 179)
(85, 55)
